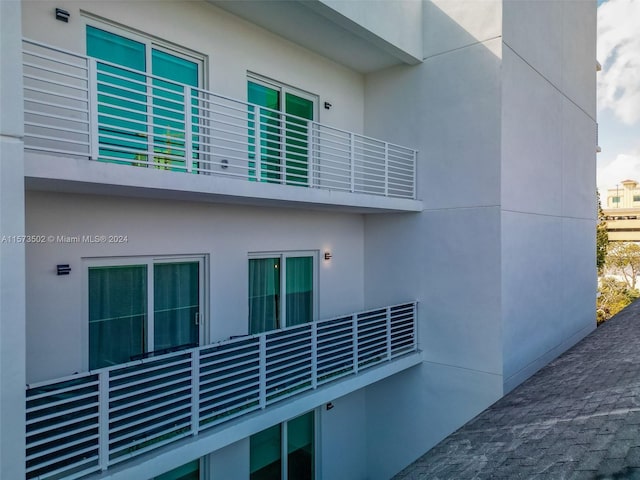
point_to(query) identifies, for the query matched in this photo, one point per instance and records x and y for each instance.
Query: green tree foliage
(602, 238)
(623, 258)
(613, 296)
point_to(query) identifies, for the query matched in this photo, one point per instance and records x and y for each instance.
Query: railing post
(314, 355)
(195, 391)
(388, 331)
(188, 130)
(386, 169)
(92, 94)
(352, 158)
(415, 326)
(258, 148)
(415, 174)
(150, 139)
(262, 359)
(103, 419)
(354, 329)
(310, 142)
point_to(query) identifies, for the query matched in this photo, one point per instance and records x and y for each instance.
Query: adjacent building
(290, 239)
(622, 212)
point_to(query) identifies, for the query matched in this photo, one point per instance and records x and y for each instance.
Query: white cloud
(619, 54)
(624, 166)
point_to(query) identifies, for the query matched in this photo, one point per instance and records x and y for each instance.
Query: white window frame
(283, 88)
(150, 42)
(149, 261)
(283, 255)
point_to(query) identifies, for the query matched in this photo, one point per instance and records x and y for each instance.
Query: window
(143, 306)
(293, 441)
(188, 471)
(284, 139)
(281, 290)
(142, 120)
(615, 199)
(636, 198)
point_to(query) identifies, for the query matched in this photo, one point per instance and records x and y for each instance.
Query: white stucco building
(258, 240)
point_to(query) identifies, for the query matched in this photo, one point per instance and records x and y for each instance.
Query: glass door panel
(267, 152)
(297, 139)
(300, 434)
(299, 290)
(176, 301)
(169, 110)
(189, 471)
(122, 109)
(117, 314)
(264, 294)
(265, 454)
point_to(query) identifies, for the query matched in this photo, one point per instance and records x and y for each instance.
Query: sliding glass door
(143, 121)
(293, 441)
(144, 308)
(281, 291)
(283, 148)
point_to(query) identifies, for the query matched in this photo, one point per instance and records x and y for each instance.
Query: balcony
(94, 115)
(89, 422)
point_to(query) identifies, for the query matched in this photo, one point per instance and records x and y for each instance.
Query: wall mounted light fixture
(62, 15)
(327, 105)
(63, 269)
(327, 255)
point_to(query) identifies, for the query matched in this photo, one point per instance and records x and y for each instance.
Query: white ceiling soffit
(319, 28)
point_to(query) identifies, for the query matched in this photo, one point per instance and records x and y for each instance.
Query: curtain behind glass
(176, 301)
(299, 290)
(264, 294)
(117, 314)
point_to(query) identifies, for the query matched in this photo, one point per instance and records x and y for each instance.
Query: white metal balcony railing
(82, 107)
(88, 422)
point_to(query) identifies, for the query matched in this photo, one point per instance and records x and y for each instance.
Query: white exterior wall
(232, 48)
(548, 181)
(225, 234)
(449, 255)
(506, 172)
(12, 252)
(399, 22)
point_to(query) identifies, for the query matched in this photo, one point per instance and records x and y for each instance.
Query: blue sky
(618, 91)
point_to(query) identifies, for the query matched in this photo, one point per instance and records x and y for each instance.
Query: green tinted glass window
(265, 459)
(176, 305)
(264, 294)
(117, 314)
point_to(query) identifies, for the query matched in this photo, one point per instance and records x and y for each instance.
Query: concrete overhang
(362, 38)
(81, 176)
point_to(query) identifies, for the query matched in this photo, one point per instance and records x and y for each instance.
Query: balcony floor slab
(79, 175)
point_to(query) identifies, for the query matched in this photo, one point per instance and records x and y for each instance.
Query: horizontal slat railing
(83, 107)
(88, 422)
